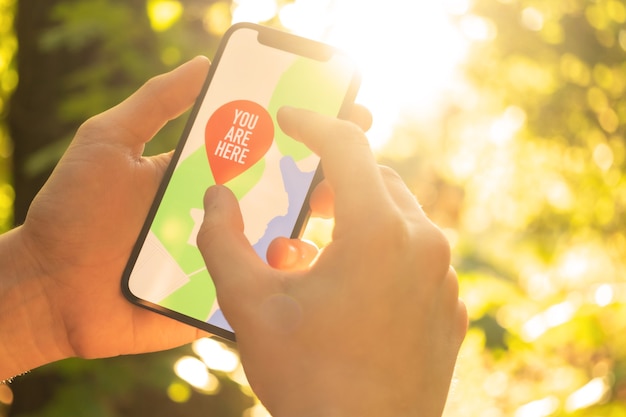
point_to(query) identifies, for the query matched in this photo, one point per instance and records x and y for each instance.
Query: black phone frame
(276, 39)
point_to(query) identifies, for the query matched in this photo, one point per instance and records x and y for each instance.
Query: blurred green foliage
(541, 245)
(120, 52)
(8, 80)
(105, 49)
(524, 168)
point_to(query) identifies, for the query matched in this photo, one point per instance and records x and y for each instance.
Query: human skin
(373, 326)
(376, 316)
(61, 270)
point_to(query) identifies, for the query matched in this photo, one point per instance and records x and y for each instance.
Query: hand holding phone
(373, 326)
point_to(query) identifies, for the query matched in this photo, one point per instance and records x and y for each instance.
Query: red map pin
(237, 135)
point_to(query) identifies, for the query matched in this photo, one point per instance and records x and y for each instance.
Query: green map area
(173, 224)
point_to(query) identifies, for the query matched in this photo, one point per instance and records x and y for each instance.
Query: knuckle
(341, 137)
(392, 231)
(351, 132)
(424, 246)
(451, 281)
(94, 126)
(436, 249)
(103, 128)
(154, 82)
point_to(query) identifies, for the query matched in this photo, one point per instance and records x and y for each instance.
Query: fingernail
(293, 255)
(284, 111)
(211, 196)
(287, 109)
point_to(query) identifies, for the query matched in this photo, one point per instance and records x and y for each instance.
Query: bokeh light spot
(538, 408)
(217, 18)
(604, 295)
(163, 13)
(591, 393)
(194, 371)
(575, 70)
(616, 10)
(178, 392)
(532, 19)
(603, 156)
(6, 395)
(216, 355)
(255, 11)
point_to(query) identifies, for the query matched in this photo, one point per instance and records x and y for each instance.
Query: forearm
(27, 321)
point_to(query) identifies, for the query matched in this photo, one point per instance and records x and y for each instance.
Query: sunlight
(217, 18)
(496, 384)
(457, 7)
(507, 125)
(216, 355)
(164, 13)
(554, 316)
(538, 408)
(532, 19)
(255, 11)
(603, 156)
(586, 264)
(575, 265)
(195, 373)
(256, 411)
(591, 393)
(604, 295)
(308, 18)
(407, 63)
(478, 28)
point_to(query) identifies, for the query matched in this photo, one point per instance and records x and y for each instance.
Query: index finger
(347, 159)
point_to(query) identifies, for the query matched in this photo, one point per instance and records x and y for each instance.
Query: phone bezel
(275, 39)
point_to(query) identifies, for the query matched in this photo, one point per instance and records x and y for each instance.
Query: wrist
(29, 330)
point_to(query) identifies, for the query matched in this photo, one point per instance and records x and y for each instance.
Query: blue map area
(296, 185)
(218, 319)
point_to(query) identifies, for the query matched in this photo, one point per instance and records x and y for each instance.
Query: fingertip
(361, 116)
(212, 199)
(201, 62)
(218, 194)
(281, 254)
(201, 58)
(286, 118)
(347, 158)
(221, 210)
(212, 196)
(227, 253)
(290, 254)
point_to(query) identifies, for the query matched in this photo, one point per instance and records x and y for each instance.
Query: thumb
(237, 271)
(162, 98)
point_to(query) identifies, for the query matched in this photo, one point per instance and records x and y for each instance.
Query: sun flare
(408, 52)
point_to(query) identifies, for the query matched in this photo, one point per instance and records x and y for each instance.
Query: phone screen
(233, 138)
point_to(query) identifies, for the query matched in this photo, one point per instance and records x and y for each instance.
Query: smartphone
(232, 138)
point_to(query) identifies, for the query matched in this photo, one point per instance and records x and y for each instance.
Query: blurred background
(505, 117)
